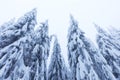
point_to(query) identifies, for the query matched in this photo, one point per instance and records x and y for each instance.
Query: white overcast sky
(102, 12)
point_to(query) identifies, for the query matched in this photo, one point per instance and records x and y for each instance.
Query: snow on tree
(57, 68)
(35, 54)
(4, 26)
(109, 49)
(79, 59)
(15, 40)
(41, 49)
(9, 59)
(25, 58)
(100, 65)
(115, 35)
(13, 31)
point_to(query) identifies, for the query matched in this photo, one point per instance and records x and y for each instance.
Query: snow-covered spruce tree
(11, 56)
(110, 50)
(35, 54)
(41, 49)
(25, 59)
(115, 35)
(100, 65)
(79, 59)
(57, 68)
(12, 31)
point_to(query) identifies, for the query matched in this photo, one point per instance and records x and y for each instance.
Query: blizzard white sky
(102, 12)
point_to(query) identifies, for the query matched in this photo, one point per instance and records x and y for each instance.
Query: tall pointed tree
(14, 42)
(41, 49)
(109, 49)
(57, 68)
(79, 59)
(100, 65)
